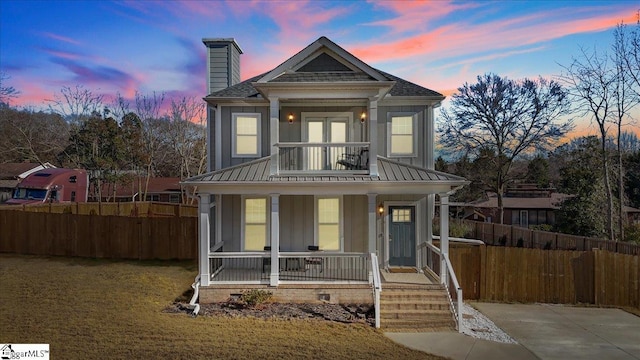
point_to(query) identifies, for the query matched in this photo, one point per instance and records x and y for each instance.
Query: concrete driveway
(565, 332)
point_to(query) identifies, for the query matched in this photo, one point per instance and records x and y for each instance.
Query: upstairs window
(246, 135)
(402, 135)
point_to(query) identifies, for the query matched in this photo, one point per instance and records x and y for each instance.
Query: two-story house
(324, 166)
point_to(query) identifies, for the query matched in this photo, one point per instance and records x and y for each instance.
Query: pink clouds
(416, 15)
(462, 39)
(61, 38)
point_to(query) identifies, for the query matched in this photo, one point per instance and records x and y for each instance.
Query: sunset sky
(146, 46)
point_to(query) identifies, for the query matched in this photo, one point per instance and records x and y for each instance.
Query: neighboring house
(314, 166)
(633, 215)
(158, 189)
(524, 205)
(12, 173)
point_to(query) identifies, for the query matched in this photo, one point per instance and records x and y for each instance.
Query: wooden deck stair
(415, 308)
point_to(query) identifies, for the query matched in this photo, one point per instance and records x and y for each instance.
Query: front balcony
(317, 158)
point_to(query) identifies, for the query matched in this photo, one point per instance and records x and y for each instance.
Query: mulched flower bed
(355, 313)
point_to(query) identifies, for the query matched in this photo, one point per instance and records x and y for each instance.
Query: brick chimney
(223, 63)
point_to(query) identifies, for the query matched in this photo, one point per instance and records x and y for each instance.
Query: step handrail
(457, 309)
(377, 287)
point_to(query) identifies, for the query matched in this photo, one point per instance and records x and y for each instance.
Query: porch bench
(313, 261)
(355, 161)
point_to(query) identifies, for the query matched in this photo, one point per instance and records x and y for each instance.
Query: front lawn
(94, 309)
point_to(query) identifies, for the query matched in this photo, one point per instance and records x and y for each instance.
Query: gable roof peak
(316, 48)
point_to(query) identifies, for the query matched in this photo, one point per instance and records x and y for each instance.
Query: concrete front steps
(415, 308)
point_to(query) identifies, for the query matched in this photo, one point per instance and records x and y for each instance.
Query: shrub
(255, 297)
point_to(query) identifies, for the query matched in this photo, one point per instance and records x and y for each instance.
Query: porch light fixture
(380, 209)
(290, 118)
(363, 117)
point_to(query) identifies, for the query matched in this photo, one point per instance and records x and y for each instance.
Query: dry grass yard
(93, 309)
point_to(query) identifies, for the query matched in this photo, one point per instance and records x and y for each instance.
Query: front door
(402, 236)
(323, 130)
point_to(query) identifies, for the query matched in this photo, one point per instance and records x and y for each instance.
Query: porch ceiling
(394, 178)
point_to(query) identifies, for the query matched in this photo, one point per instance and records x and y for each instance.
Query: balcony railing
(302, 157)
(255, 267)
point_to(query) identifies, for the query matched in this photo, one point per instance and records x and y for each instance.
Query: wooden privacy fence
(136, 209)
(95, 236)
(513, 236)
(505, 274)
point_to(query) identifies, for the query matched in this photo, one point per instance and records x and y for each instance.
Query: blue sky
(146, 46)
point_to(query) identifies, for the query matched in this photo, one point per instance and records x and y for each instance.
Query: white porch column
(373, 213)
(203, 239)
(431, 209)
(444, 235)
(430, 143)
(373, 137)
(275, 240)
(274, 129)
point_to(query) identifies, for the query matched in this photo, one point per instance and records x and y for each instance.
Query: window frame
(234, 135)
(316, 221)
(243, 224)
(414, 134)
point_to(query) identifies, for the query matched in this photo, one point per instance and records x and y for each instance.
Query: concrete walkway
(461, 347)
(543, 331)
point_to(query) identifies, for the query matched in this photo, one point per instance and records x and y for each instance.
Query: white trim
(267, 220)
(218, 138)
(314, 48)
(258, 118)
(316, 222)
(414, 134)
(385, 235)
(327, 115)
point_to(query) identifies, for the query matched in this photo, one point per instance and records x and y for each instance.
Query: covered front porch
(257, 228)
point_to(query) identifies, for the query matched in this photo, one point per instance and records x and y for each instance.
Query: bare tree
(119, 107)
(148, 108)
(31, 136)
(632, 55)
(497, 120)
(7, 92)
(625, 98)
(76, 104)
(187, 134)
(592, 84)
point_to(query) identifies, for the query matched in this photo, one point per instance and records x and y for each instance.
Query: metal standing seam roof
(258, 171)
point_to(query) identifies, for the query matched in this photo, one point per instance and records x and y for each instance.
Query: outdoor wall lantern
(363, 117)
(380, 209)
(290, 118)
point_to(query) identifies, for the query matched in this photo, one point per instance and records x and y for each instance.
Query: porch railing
(352, 157)
(255, 267)
(433, 260)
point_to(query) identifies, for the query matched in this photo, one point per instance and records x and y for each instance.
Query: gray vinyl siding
(383, 120)
(231, 222)
(224, 66)
(297, 222)
(293, 132)
(356, 223)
